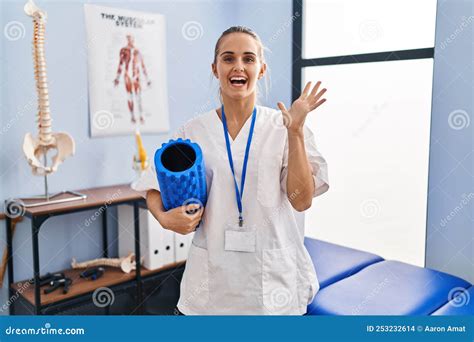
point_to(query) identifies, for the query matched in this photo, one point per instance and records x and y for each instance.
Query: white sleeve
(318, 165)
(148, 179)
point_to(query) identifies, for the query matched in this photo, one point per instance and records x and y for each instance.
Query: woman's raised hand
(294, 118)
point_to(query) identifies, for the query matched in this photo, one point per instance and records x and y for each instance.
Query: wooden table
(97, 198)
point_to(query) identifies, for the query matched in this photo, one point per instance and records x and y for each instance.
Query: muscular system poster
(127, 71)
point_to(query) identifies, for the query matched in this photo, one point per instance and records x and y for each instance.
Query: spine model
(36, 148)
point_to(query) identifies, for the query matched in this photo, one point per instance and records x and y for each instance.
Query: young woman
(247, 256)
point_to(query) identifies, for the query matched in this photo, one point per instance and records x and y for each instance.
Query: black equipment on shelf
(57, 283)
(93, 273)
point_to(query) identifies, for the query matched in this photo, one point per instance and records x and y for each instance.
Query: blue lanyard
(238, 195)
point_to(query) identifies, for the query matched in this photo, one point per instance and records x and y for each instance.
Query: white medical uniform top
(272, 272)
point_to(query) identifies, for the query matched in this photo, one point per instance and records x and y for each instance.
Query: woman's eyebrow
(231, 53)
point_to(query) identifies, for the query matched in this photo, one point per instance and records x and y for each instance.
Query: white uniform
(264, 268)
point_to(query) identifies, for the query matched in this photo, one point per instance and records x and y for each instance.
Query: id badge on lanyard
(237, 239)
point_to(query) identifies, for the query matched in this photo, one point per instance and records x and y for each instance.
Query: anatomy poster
(127, 71)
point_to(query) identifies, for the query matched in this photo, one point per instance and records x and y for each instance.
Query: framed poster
(127, 71)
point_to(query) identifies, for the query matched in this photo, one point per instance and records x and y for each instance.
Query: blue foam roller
(181, 173)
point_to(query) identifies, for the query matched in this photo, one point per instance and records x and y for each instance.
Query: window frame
(299, 62)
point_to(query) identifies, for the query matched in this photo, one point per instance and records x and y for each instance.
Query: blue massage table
(354, 282)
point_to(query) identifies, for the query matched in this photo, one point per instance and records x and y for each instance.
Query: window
(376, 60)
(340, 27)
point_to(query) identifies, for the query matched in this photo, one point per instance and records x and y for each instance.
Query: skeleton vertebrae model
(37, 148)
(127, 263)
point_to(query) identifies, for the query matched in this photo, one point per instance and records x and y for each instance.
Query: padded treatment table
(334, 262)
(463, 304)
(354, 282)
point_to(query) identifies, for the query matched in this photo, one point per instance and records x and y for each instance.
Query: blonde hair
(261, 54)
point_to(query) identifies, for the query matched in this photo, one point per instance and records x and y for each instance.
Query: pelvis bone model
(36, 148)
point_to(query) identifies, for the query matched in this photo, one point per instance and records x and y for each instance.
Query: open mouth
(238, 81)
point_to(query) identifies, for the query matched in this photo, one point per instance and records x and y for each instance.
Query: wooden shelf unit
(112, 276)
(97, 198)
